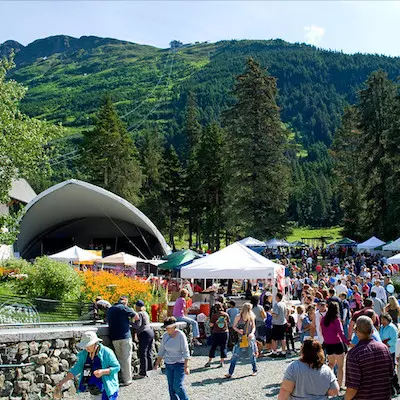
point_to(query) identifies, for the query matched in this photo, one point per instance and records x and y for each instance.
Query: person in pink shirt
(180, 313)
(334, 339)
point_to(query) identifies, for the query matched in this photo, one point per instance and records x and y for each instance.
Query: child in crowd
(289, 331)
(232, 311)
(268, 328)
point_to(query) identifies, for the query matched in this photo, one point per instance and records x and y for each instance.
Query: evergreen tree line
(367, 161)
(232, 179)
(247, 173)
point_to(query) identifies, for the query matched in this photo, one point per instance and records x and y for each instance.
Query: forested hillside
(68, 78)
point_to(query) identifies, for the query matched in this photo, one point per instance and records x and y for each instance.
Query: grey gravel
(209, 383)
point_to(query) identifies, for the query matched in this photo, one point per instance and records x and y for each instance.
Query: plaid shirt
(369, 369)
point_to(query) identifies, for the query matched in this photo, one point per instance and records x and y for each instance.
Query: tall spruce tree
(257, 186)
(192, 135)
(150, 146)
(210, 180)
(392, 160)
(375, 119)
(346, 150)
(173, 191)
(109, 155)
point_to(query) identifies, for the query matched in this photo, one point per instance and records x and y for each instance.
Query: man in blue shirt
(119, 318)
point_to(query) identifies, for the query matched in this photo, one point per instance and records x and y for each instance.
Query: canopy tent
(233, 262)
(394, 260)
(370, 244)
(251, 242)
(380, 248)
(75, 254)
(346, 242)
(275, 243)
(179, 259)
(121, 259)
(297, 243)
(393, 246)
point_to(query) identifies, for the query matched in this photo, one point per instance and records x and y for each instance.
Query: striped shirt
(369, 369)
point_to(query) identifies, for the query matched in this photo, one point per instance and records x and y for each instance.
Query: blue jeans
(175, 376)
(346, 328)
(237, 352)
(190, 321)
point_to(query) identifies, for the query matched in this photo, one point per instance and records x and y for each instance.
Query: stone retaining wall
(34, 360)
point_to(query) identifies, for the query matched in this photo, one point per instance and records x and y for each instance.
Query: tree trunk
(190, 231)
(171, 233)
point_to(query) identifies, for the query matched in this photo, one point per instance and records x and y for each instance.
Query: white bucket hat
(88, 338)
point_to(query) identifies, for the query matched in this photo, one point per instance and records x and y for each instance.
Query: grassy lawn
(299, 233)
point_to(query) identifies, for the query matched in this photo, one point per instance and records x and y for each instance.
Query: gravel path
(208, 383)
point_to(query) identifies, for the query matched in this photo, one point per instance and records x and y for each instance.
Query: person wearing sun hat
(97, 369)
(174, 349)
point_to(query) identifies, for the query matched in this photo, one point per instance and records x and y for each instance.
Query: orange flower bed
(111, 287)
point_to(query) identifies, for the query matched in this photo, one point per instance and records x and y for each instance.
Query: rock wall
(34, 360)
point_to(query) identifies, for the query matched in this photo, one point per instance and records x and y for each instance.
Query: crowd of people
(345, 317)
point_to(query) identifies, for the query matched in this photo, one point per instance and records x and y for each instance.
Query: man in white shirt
(379, 290)
(318, 316)
(340, 288)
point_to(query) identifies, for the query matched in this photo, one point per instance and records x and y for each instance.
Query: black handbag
(94, 390)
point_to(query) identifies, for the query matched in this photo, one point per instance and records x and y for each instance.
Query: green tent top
(345, 242)
(298, 243)
(384, 244)
(178, 259)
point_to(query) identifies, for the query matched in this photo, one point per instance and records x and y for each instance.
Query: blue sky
(351, 26)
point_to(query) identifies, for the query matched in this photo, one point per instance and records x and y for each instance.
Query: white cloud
(313, 34)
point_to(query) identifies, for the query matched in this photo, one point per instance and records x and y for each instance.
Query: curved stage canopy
(79, 213)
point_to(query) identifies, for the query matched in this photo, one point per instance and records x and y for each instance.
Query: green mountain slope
(67, 78)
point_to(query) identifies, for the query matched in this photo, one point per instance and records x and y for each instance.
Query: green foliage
(173, 191)
(109, 156)
(210, 177)
(366, 154)
(257, 179)
(22, 145)
(50, 279)
(150, 146)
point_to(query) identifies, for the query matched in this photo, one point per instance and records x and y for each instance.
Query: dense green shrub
(50, 279)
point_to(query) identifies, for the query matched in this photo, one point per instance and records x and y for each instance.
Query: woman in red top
(334, 339)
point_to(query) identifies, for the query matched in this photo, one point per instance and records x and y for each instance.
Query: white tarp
(394, 246)
(275, 243)
(5, 251)
(251, 242)
(233, 262)
(121, 258)
(369, 244)
(394, 260)
(74, 254)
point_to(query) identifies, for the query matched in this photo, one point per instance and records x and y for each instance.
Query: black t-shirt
(119, 318)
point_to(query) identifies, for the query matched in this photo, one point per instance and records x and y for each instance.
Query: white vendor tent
(121, 258)
(369, 244)
(275, 243)
(251, 242)
(233, 262)
(74, 254)
(394, 246)
(394, 260)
